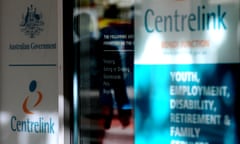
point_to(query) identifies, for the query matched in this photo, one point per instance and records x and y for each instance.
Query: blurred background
(103, 39)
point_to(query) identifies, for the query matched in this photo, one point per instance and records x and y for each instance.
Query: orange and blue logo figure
(32, 89)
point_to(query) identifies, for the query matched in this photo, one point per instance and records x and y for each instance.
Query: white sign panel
(28, 72)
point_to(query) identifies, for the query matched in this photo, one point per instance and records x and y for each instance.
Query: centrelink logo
(35, 124)
(32, 89)
(32, 22)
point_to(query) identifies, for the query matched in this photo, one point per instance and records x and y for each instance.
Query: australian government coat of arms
(32, 22)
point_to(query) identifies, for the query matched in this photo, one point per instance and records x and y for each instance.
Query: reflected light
(75, 107)
(4, 122)
(61, 118)
(4, 118)
(152, 49)
(216, 36)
